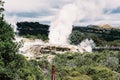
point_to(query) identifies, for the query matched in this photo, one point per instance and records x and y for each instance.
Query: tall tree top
(1, 8)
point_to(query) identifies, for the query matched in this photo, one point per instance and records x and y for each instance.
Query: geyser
(61, 27)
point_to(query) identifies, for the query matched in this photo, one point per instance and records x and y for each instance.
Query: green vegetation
(114, 43)
(38, 36)
(33, 30)
(69, 66)
(98, 41)
(76, 37)
(101, 36)
(88, 66)
(13, 66)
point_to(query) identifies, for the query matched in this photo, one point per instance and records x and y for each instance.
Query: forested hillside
(32, 28)
(102, 36)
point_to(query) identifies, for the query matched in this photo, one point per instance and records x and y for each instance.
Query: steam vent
(37, 48)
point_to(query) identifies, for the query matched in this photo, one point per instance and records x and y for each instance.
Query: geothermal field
(59, 31)
(61, 26)
(59, 39)
(34, 48)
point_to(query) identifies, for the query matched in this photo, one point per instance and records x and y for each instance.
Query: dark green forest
(101, 36)
(33, 30)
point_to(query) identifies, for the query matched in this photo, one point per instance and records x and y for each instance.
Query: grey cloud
(31, 14)
(44, 10)
(117, 10)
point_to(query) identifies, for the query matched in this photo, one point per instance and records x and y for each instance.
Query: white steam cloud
(97, 16)
(61, 27)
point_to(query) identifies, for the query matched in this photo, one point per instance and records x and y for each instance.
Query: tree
(7, 47)
(76, 37)
(1, 7)
(98, 41)
(13, 66)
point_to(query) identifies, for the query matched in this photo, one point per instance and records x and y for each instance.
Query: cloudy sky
(44, 11)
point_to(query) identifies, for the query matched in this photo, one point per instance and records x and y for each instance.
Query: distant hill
(32, 28)
(105, 33)
(106, 26)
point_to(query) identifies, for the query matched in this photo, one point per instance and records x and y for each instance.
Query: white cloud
(33, 5)
(93, 10)
(112, 19)
(25, 5)
(15, 19)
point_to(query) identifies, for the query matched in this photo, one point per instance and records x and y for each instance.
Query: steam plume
(61, 27)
